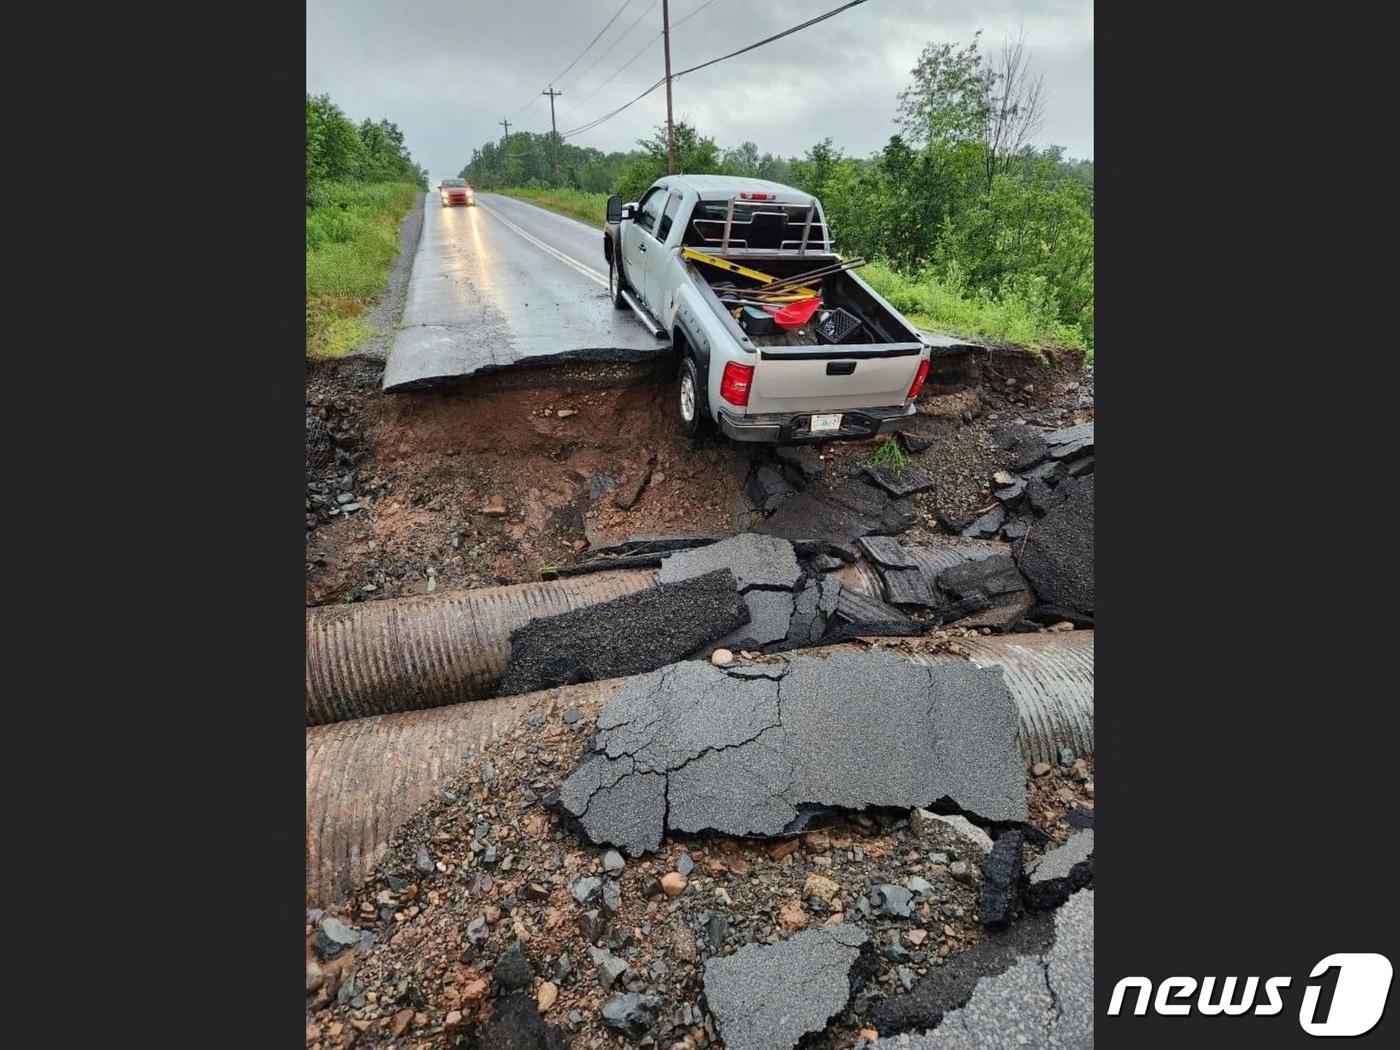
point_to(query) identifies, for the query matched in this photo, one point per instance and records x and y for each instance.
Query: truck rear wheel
(692, 411)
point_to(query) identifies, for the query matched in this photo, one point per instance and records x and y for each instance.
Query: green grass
(590, 207)
(1022, 315)
(890, 454)
(352, 237)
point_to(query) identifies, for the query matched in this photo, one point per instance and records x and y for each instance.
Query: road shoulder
(387, 313)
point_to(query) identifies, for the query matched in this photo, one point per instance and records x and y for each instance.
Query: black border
(1245, 735)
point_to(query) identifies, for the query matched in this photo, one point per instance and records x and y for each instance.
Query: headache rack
(762, 228)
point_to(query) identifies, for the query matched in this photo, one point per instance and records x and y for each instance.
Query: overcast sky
(446, 71)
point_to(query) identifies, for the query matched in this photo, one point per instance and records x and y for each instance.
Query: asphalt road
(503, 283)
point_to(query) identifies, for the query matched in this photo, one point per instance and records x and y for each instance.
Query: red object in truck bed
(795, 315)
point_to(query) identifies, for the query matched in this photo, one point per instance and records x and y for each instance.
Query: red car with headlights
(456, 191)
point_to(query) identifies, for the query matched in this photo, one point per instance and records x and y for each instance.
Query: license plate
(822, 424)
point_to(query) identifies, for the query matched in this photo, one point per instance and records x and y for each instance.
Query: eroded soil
(509, 474)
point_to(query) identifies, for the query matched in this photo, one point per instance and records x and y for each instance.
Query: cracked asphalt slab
(503, 283)
(1044, 999)
(768, 997)
(693, 748)
(1061, 871)
(756, 561)
(1057, 555)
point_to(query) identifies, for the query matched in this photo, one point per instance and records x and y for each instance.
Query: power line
(627, 32)
(625, 5)
(608, 116)
(692, 14)
(634, 58)
(570, 66)
(645, 48)
(757, 44)
(776, 36)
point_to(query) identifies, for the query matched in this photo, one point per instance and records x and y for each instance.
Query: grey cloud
(447, 72)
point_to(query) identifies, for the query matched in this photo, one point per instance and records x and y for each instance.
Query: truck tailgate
(829, 377)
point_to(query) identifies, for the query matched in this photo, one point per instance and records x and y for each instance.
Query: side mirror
(615, 208)
(629, 211)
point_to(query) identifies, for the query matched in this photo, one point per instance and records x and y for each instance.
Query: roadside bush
(351, 241)
(1023, 310)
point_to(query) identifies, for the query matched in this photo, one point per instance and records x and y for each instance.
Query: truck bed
(843, 290)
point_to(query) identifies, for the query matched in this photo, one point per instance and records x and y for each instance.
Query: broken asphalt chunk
(515, 1024)
(900, 483)
(799, 457)
(987, 526)
(637, 632)
(767, 488)
(1057, 557)
(755, 560)
(1061, 871)
(770, 612)
(887, 552)
(907, 587)
(986, 593)
(632, 1014)
(839, 511)
(1001, 878)
(1025, 445)
(692, 748)
(769, 997)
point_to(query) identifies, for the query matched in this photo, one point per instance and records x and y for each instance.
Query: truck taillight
(918, 383)
(751, 195)
(734, 383)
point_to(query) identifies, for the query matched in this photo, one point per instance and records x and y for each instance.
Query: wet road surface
(502, 283)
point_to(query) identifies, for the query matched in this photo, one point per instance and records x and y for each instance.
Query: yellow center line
(567, 260)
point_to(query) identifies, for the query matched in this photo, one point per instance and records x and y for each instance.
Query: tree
(812, 171)
(333, 147)
(1012, 103)
(696, 154)
(948, 100)
(743, 160)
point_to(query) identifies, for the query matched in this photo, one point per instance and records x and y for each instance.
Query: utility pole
(505, 124)
(670, 126)
(554, 129)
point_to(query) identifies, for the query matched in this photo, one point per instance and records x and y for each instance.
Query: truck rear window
(761, 226)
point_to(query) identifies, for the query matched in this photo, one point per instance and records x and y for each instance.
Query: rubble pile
(493, 921)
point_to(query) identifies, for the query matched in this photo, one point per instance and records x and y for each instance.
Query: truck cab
(693, 259)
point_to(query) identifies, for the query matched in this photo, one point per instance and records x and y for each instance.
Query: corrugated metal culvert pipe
(403, 654)
(365, 777)
(1050, 675)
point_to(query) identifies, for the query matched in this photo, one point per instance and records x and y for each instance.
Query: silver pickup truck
(684, 259)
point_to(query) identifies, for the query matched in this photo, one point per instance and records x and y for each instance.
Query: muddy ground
(508, 474)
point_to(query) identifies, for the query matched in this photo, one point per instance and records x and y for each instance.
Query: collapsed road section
(486, 294)
(397, 761)
(695, 748)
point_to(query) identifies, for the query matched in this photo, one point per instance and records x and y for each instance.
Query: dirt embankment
(491, 482)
